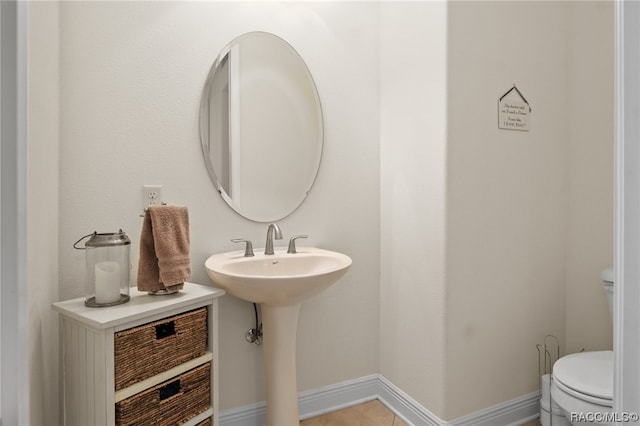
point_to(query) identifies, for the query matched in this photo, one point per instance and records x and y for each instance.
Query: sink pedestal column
(280, 328)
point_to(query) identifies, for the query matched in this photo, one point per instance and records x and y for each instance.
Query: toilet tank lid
(607, 275)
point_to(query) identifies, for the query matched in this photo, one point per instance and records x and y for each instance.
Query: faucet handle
(248, 248)
(292, 243)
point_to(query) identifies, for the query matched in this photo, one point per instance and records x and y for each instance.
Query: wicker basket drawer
(144, 351)
(170, 403)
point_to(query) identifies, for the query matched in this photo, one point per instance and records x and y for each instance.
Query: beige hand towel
(164, 261)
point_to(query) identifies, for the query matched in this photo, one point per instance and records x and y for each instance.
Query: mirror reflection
(261, 127)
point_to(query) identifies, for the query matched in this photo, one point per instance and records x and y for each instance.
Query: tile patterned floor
(372, 413)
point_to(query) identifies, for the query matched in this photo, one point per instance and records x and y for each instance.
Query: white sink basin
(278, 279)
(279, 283)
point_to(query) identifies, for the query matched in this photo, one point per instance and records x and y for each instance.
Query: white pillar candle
(107, 282)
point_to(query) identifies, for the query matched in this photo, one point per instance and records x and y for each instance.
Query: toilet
(582, 383)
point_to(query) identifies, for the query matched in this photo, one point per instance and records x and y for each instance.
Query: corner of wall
(42, 209)
(413, 75)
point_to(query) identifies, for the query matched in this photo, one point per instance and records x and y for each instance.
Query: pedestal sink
(279, 283)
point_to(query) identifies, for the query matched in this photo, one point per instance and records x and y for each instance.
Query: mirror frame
(204, 135)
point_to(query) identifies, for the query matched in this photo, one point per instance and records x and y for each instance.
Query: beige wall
(42, 210)
(413, 83)
(590, 174)
(131, 79)
(469, 243)
(524, 241)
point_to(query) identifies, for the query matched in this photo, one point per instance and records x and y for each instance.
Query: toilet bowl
(582, 383)
(582, 386)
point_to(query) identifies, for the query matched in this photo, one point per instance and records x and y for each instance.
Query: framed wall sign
(513, 111)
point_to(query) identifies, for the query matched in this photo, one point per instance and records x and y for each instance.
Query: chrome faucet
(268, 247)
(248, 248)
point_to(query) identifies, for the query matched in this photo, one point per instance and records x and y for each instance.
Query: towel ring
(146, 209)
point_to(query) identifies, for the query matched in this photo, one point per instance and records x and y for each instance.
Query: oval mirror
(261, 127)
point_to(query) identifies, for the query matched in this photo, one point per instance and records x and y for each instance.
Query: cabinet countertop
(141, 304)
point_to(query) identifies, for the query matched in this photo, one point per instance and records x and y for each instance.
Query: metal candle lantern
(107, 273)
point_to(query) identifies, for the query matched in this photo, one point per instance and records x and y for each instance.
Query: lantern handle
(75, 245)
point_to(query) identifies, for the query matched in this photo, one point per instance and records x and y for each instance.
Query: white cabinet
(92, 359)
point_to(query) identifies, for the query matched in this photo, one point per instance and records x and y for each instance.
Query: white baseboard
(404, 406)
(509, 413)
(310, 403)
(249, 415)
(340, 395)
(335, 397)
